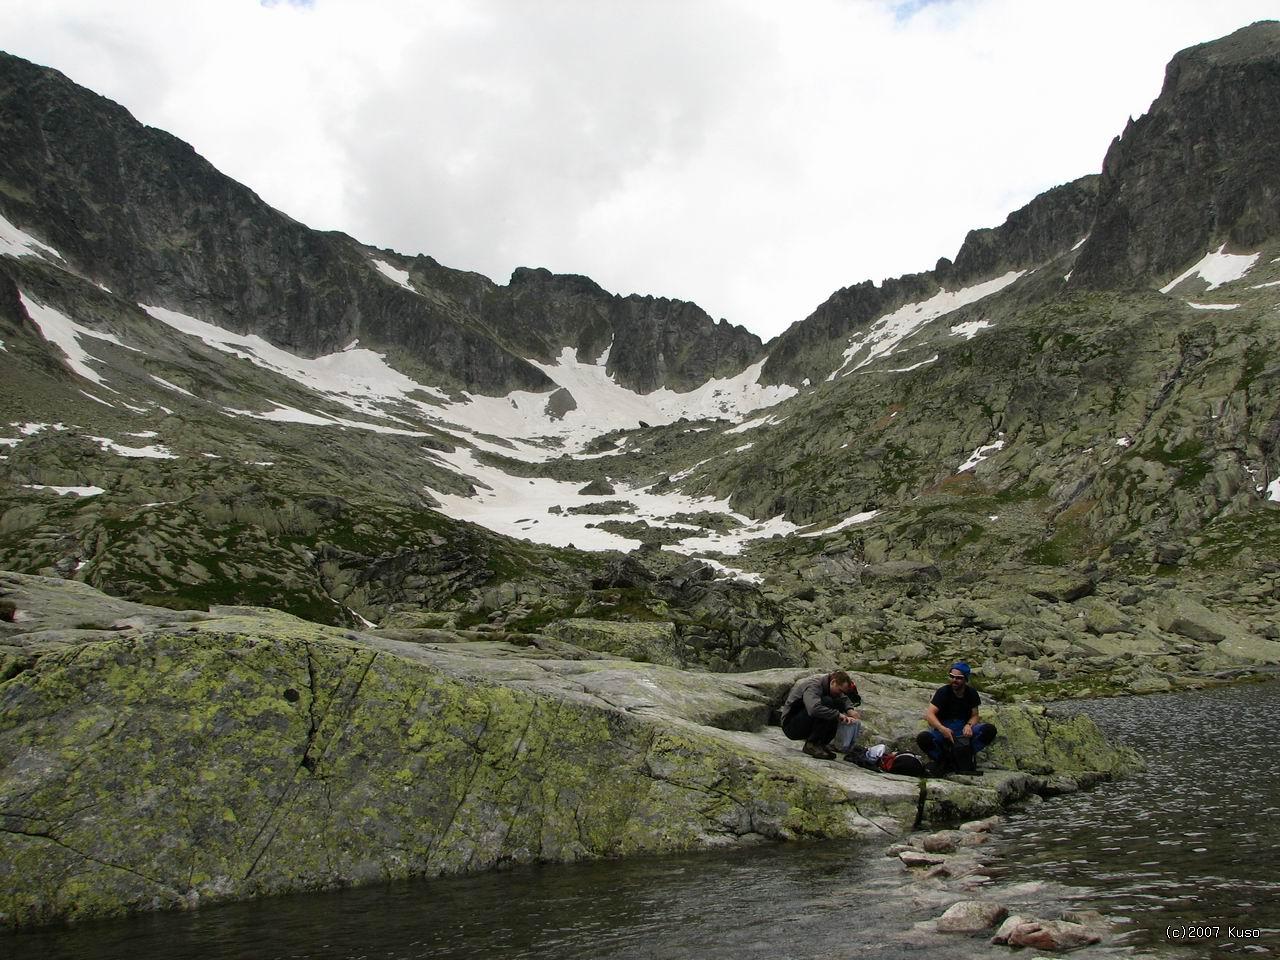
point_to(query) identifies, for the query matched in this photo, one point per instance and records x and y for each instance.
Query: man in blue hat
(952, 714)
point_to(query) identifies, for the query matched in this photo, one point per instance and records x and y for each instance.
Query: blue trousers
(931, 740)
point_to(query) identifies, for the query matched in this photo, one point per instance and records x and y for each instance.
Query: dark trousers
(799, 725)
(931, 741)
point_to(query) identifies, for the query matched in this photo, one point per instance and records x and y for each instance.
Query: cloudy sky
(750, 156)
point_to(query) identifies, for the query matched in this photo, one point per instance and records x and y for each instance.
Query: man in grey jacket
(816, 707)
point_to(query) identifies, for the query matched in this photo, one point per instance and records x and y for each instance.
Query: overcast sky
(750, 156)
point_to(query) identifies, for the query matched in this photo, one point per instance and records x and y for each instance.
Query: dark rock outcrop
(1200, 169)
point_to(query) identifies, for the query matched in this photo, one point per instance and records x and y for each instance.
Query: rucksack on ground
(902, 764)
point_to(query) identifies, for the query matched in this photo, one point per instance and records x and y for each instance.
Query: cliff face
(651, 342)
(1200, 169)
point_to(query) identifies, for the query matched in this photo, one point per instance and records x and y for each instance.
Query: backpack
(902, 764)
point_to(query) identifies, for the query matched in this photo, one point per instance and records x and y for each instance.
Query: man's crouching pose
(816, 707)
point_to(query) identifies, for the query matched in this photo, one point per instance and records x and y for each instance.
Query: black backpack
(902, 764)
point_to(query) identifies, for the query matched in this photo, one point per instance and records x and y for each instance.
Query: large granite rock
(151, 758)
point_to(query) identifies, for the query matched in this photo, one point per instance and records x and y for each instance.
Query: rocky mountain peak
(1198, 170)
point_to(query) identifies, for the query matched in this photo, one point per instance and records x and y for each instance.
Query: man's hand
(946, 732)
(968, 730)
(850, 717)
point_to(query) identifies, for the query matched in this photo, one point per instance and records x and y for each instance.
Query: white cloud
(751, 156)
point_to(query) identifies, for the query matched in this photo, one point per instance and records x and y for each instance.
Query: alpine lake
(1183, 857)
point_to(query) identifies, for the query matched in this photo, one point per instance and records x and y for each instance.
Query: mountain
(1197, 171)
(138, 211)
(1055, 455)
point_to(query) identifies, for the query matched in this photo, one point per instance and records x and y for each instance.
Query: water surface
(1187, 850)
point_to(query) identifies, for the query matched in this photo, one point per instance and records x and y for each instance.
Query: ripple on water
(1195, 838)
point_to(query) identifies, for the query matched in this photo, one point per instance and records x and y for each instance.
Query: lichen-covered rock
(646, 641)
(164, 769)
(1041, 743)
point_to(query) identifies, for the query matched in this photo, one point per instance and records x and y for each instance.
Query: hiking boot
(818, 751)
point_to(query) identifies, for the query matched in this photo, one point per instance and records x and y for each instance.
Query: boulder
(944, 841)
(1058, 586)
(1019, 931)
(644, 641)
(559, 403)
(598, 487)
(971, 916)
(915, 858)
(1187, 618)
(901, 571)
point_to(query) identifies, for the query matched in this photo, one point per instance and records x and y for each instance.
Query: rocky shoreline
(953, 875)
(154, 759)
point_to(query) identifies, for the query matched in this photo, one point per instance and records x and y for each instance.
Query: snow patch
(174, 387)
(1217, 267)
(914, 366)
(979, 455)
(357, 378)
(153, 452)
(846, 522)
(361, 380)
(971, 328)
(400, 277)
(16, 242)
(64, 491)
(283, 413)
(884, 335)
(31, 429)
(1212, 306)
(1256, 286)
(1273, 490)
(519, 507)
(65, 334)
